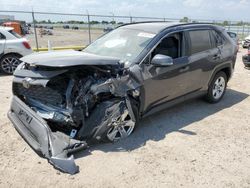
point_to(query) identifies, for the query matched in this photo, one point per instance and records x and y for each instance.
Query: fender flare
(218, 69)
(9, 53)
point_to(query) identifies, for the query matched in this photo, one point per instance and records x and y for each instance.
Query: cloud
(193, 3)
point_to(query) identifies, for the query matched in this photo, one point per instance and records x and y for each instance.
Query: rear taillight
(26, 45)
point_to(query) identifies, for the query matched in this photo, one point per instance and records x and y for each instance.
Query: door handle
(184, 69)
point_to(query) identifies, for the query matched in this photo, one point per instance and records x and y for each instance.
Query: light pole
(113, 16)
(89, 26)
(34, 25)
(131, 18)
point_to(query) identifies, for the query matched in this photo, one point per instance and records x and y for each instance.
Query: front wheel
(217, 88)
(121, 128)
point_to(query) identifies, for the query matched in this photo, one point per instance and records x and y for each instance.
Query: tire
(9, 63)
(217, 88)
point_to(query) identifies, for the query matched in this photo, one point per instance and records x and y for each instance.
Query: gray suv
(66, 101)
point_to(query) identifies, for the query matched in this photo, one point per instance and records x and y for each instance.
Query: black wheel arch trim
(220, 68)
(14, 53)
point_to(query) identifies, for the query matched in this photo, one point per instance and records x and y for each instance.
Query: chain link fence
(63, 30)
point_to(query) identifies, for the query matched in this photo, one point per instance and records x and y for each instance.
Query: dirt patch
(194, 144)
(64, 37)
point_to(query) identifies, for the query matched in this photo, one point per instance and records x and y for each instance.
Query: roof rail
(177, 23)
(144, 22)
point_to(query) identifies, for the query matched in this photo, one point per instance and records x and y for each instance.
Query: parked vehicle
(39, 26)
(75, 27)
(246, 59)
(16, 27)
(45, 32)
(246, 42)
(49, 27)
(235, 37)
(107, 29)
(66, 27)
(12, 48)
(66, 101)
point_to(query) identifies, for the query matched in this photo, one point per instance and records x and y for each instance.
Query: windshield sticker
(115, 43)
(146, 35)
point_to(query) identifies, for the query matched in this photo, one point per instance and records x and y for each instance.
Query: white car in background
(246, 42)
(12, 48)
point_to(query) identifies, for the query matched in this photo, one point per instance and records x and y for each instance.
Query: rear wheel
(9, 63)
(217, 88)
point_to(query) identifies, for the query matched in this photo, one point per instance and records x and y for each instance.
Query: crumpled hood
(67, 58)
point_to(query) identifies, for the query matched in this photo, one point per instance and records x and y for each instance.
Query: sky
(232, 10)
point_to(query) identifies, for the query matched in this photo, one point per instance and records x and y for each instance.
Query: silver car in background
(235, 38)
(12, 47)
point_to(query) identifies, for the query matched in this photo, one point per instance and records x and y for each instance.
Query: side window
(200, 41)
(170, 46)
(232, 35)
(15, 34)
(2, 36)
(216, 37)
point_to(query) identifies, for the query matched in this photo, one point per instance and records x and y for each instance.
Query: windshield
(122, 43)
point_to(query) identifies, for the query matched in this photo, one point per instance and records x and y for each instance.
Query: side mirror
(162, 60)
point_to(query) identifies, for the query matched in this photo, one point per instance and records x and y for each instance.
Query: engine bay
(68, 100)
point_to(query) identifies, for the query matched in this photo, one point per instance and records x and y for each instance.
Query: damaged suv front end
(65, 101)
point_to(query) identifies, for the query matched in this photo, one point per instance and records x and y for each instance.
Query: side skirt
(173, 102)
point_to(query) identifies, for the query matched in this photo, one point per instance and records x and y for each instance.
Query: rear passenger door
(202, 56)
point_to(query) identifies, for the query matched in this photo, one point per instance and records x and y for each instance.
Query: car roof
(6, 28)
(157, 27)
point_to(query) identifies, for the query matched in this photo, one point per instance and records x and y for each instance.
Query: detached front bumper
(54, 146)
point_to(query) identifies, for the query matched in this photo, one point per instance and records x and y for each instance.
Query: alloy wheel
(121, 128)
(9, 64)
(219, 87)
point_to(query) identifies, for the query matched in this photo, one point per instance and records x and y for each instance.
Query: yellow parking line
(60, 48)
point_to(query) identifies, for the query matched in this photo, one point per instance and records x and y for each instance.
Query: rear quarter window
(199, 41)
(2, 36)
(217, 39)
(15, 34)
(232, 35)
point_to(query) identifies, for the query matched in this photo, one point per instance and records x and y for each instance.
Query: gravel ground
(64, 37)
(193, 144)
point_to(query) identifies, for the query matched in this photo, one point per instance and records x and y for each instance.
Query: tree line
(183, 20)
(76, 22)
(222, 23)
